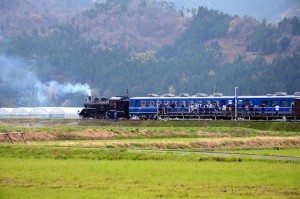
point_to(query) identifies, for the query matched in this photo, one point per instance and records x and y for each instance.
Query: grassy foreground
(49, 172)
(100, 159)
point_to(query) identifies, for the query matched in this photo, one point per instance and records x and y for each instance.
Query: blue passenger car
(154, 105)
(267, 104)
(212, 106)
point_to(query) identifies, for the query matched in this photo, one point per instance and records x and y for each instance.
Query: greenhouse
(40, 112)
(71, 112)
(64, 112)
(57, 113)
(5, 112)
(20, 112)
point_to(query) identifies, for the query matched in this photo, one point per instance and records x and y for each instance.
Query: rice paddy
(80, 160)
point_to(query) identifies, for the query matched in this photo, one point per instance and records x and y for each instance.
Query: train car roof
(213, 97)
(178, 97)
(268, 96)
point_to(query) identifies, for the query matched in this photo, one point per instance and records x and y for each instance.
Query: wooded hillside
(145, 47)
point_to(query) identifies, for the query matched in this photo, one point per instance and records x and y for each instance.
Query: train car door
(264, 106)
(297, 107)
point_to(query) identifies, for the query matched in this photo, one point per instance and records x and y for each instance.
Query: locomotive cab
(119, 104)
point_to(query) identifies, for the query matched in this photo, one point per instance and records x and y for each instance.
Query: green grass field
(60, 172)
(96, 159)
(48, 172)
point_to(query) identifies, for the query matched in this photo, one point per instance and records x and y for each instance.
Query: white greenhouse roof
(40, 112)
(5, 112)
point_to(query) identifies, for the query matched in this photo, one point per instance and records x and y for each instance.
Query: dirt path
(227, 155)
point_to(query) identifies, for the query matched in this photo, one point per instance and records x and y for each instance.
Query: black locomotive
(103, 107)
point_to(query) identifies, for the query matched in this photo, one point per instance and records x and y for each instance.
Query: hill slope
(271, 10)
(130, 23)
(146, 48)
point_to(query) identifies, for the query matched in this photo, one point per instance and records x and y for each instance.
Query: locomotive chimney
(90, 98)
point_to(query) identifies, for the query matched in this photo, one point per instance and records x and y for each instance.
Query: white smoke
(23, 85)
(75, 88)
(53, 90)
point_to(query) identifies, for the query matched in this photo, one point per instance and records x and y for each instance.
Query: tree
(284, 43)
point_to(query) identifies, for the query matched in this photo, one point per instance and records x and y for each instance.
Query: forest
(209, 52)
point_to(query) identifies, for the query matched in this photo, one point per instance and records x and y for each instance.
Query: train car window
(137, 103)
(143, 103)
(207, 102)
(264, 102)
(167, 103)
(229, 101)
(240, 102)
(151, 104)
(131, 103)
(216, 102)
(175, 103)
(182, 103)
(292, 103)
(273, 103)
(191, 103)
(283, 103)
(199, 102)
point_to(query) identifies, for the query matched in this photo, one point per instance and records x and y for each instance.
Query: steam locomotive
(199, 106)
(99, 108)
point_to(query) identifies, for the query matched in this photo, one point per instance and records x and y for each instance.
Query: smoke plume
(54, 90)
(20, 86)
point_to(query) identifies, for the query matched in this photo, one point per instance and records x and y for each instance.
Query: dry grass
(258, 142)
(182, 143)
(55, 134)
(206, 137)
